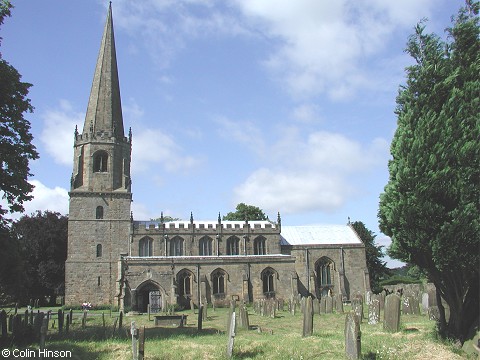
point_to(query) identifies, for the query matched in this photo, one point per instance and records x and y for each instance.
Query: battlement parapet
(204, 226)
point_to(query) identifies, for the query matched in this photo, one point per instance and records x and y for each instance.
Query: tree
(246, 212)
(377, 268)
(166, 218)
(42, 238)
(430, 206)
(16, 145)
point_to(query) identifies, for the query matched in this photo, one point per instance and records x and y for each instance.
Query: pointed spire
(104, 111)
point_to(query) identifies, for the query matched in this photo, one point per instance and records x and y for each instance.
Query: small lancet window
(100, 160)
(99, 250)
(99, 212)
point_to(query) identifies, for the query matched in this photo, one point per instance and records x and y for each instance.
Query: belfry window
(145, 247)
(205, 246)
(99, 212)
(233, 246)
(100, 160)
(259, 246)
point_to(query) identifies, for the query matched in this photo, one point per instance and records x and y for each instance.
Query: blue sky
(286, 105)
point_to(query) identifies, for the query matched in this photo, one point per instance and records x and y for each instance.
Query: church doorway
(149, 293)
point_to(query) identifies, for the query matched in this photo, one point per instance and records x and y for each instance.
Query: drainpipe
(307, 265)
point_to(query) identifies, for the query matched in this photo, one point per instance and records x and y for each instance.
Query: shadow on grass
(369, 356)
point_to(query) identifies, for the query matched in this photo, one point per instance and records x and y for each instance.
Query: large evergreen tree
(16, 148)
(431, 204)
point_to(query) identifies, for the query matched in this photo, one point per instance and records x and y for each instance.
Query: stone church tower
(100, 193)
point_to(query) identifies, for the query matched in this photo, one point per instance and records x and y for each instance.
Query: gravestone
(374, 312)
(67, 324)
(414, 305)
(368, 297)
(60, 320)
(205, 314)
(391, 321)
(328, 304)
(308, 318)
(192, 307)
(406, 306)
(43, 332)
(243, 318)
(323, 306)
(134, 334)
(352, 336)
(200, 317)
(71, 316)
(433, 313)
(302, 305)
(425, 304)
(357, 307)
(231, 335)
(432, 298)
(316, 306)
(382, 300)
(339, 304)
(141, 343)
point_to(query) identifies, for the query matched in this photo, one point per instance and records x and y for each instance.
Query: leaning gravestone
(352, 336)
(391, 321)
(374, 312)
(308, 317)
(231, 335)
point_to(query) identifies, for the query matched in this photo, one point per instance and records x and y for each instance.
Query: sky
(285, 105)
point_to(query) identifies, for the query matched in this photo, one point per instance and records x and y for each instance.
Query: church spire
(104, 112)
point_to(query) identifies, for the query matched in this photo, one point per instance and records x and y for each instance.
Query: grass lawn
(279, 338)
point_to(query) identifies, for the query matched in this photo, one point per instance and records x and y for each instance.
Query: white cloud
(306, 113)
(244, 132)
(58, 130)
(44, 198)
(316, 173)
(153, 147)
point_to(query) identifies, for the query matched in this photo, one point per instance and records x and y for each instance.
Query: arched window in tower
(259, 246)
(145, 247)
(99, 250)
(184, 283)
(218, 278)
(268, 282)
(205, 246)
(325, 269)
(100, 161)
(176, 246)
(99, 212)
(233, 245)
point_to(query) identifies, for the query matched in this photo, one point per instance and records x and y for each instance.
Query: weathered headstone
(67, 324)
(433, 313)
(134, 333)
(141, 343)
(200, 317)
(425, 304)
(374, 312)
(231, 335)
(328, 304)
(308, 318)
(357, 307)
(381, 297)
(414, 305)
(316, 306)
(204, 309)
(352, 336)
(323, 305)
(406, 308)
(368, 297)
(192, 306)
(391, 321)
(43, 332)
(60, 320)
(243, 320)
(339, 304)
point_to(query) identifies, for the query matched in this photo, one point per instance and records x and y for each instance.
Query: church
(116, 260)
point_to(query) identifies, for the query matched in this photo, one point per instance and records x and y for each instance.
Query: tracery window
(145, 247)
(259, 246)
(268, 282)
(176, 246)
(205, 246)
(184, 280)
(233, 245)
(218, 283)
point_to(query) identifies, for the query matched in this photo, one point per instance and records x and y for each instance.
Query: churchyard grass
(279, 338)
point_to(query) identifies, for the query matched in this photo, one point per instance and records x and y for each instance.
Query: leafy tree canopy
(377, 268)
(165, 218)
(246, 212)
(16, 146)
(42, 238)
(430, 207)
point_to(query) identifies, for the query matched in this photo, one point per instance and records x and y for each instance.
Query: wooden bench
(171, 320)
